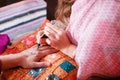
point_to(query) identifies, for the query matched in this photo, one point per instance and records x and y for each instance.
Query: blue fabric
(36, 72)
(67, 66)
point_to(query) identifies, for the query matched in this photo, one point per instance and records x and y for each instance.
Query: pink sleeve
(0, 66)
(96, 30)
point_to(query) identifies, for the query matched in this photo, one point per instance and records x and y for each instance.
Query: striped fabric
(22, 17)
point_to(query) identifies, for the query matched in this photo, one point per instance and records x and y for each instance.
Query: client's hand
(33, 55)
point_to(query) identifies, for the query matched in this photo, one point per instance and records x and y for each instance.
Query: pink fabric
(0, 66)
(4, 41)
(95, 28)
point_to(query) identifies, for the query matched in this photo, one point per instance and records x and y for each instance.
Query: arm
(27, 59)
(70, 50)
(11, 60)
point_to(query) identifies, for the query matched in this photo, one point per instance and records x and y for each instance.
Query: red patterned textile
(62, 68)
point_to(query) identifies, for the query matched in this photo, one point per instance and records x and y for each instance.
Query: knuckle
(60, 33)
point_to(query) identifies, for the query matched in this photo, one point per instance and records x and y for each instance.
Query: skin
(29, 58)
(58, 39)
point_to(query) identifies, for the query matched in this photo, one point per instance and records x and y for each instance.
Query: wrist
(69, 50)
(22, 56)
(10, 61)
(19, 59)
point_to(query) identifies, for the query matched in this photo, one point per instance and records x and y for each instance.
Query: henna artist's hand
(58, 39)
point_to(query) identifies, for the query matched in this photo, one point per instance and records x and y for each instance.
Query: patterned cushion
(22, 17)
(63, 67)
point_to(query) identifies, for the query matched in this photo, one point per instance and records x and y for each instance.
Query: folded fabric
(4, 41)
(21, 17)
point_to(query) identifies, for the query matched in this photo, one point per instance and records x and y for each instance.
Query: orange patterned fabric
(62, 68)
(25, 43)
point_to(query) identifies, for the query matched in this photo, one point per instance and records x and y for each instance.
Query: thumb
(40, 64)
(38, 36)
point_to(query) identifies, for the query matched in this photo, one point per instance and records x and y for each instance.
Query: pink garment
(95, 29)
(0, 66)
(4, 41)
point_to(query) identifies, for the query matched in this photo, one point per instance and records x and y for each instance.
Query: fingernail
(48, 64)
(48, 24)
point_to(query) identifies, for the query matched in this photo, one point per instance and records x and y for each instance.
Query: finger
(53, 33)
(48, 41)
(51, 42)
(53, 27)
(45, 47)
(46, 52)
(34, 52)
(40, 32)
(40, 64)
(50, 33)
(48, 28)
(38, 36)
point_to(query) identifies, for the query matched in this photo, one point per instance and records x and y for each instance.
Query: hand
(57, 37)
(41, 38)
(29, 58)
(32, 56)
(32, 62)
(46, 50)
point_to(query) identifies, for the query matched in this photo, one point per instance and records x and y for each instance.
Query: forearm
(10, 61)
(70, 51)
